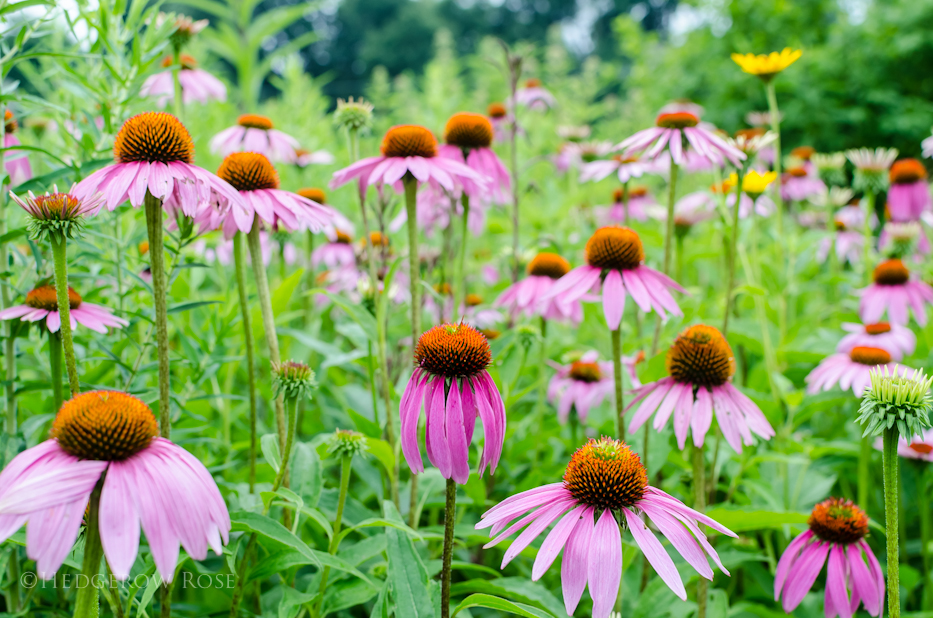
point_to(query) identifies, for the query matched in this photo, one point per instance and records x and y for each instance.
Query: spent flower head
(834, 197)
(901, 238)
(896, 400)
(871, 167)
(830, 167)
(292, 379)
(353, 115)
(346, 443)
(752, 141)
(57, 213)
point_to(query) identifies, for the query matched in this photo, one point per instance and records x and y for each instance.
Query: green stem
(118, 230)
(514, 74)
(542, 389)
(414, 274)
(55, 369)
(338, 521)
(450, 511)
(625, 198)
(460, 286)
(730, 282)
(868, 236)
(891, 484)
(59, 257)
(617, 376)
(776, 128)
(177, 102)
(292, 406)
(923, 504)
(86, 601)
(268, 321)
(668, 239)
(159, 292)
(679, 252)
(9, 340)
(239, 260)
(864, 472)
(13, 600)
(699, 504)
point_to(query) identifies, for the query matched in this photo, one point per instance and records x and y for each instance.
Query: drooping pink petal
(682, 540)
(119, 521)
(655, 554)
(788, 558)
(548, 516)
(836, 583)
(554, 542)
(604, 572)
(613, 299)
(805, 572)
(575, 563)
(862, 583)
(457, 445)
(435, 423)
(51, 533)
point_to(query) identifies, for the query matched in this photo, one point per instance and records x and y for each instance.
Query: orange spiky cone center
(152, 137)
(104, 426)
(606, 474)
(879, 328)
(701, 356)
(907, 171)
(496, 110)
(838, 520)
(586, 372)
(452, 350)
(409, 140)
(255, 121)
(548, 265)
(866, 355)
(468, 130)
(891, 272)
(44, 297)
(921, 447)
(248, 171)
(314, 194)
(614, 247)
(677, 120)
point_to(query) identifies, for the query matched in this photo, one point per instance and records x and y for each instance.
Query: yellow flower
(754, 183)
(767, 66)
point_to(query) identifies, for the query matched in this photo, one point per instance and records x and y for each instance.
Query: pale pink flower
(899, 341)
(920, 448)
(849, 237)
(580, 386)
(801, 183)
(196, 84)
(254, 133)
(604, 477)
(304, 158)
(468, 140)
(895, 292)
(641, 206)
(529, 297)
(670, 134)
(16, 162)
(625, 168)
(850, 370)
(335, 253)
(909, 194)
(42, 304)
(534, 96)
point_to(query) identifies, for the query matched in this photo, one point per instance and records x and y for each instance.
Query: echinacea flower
(909, 194)
(830, 167)
(607, 478)
(836, 537)
(468, 140)
(500, 118)
(614, 257)
(451, 380)
(766, 66)
(304, 157)
(407, 149)
(580, 386)
(753, 141)
(148, 483)
(196, 84)
(185, 27)
(57, 212)
(42, 303)
(335, 253)
(849, 369)
(626, 168)
(256, 179)
(849, 237)
(894, 291)
(801, 182)
(871, 167)
(154, 153)
(534, 96)
(353, 115)
(577, 154)
(701, 367)
(255, 133)
(529, 296)
(639, 207)
(16, 162)
(899, 341)
(673, 131)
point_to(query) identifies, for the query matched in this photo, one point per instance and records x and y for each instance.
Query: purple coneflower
(614, 257)
(304, 157)
(837, 531)
(626, 168)
(850, 369)
(335, 253)
(671, 130)
(701, 366)
(604, 476)
(16, 162)
(801, 182)
(580, 386)
(468, 140)
(451, 380)
(42, 304)
(530, 297)
(898, 340)
(255, 133)
(535, 96)
(196, 84)
(894, 291)
(111, 438)
(909, 194)
(849, 236)
(641, 205)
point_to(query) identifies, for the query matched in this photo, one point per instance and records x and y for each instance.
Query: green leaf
(283, 294)
(269, 444)
(182, 307)
(306, 473)
(750, 518)
(381, 450)
(375, 522)
(406, 572)
(357, 312)
(347, 594)
(490, 602)
(365, 426)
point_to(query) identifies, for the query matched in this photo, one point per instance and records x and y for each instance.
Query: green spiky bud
(896, 400)
(292, 379)
(354, 115)
(346, 443)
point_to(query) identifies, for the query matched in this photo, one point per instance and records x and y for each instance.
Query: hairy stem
(239, 259)
(450, 512)
(617, 376)
(60, 259)
(733, 242)
(338, 521)
(159, 292)
(178, 103)
(55, 369)
(864, 471)
(891, 485)
(542, 389)
(86, 601)
(460, 285)
(414, 274)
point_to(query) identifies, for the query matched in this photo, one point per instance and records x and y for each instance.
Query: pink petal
(575, 564)
(604, 572)
(119, 521)
(655, 554)
(555, 541)
(613, 299)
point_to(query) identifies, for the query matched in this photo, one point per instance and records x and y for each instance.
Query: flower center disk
(677, 120)
(45, 297)
(452, 350)
(701, 356)
(838, 520)
(61, 206)
(606, 474)
(878, 329)
(614, 247)
(907, 171)
(586, 372)
(248, 171)
(496, 110)
(104, 426)
(409, 140)
(548, 265)
(891, 272)
(468, 130)
(922, 448)
(151, 137)
(255, 121)
(314, 194)
(870, 356)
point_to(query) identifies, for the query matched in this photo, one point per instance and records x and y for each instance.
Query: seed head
(354, 115)
(292, 379)
(346, 443)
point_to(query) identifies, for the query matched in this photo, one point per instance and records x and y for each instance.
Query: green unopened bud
(346, 443)
(354, 115)
(870, 180)
(292, 379)
(527, 336)
(896, 400)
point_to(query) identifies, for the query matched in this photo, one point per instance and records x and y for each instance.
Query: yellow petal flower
(755, 183)
(767, 66)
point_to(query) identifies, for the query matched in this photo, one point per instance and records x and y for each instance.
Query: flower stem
(625, 198)
(460, 286)
(239, 259)
(159, 292)
(86, 602)
(450, 512)
(292, 406)
(55, 369)
(891, 483)
(923, 504)
(776, 128)
(699, 504)
(338, 521)
(268, 321)
(733, 242)
(864, 471)
(542, 388)
(414, 275)
(668, 238)
(177, 102)
(617, 375)
(9, 351)
(59, 257)
(868, 235)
